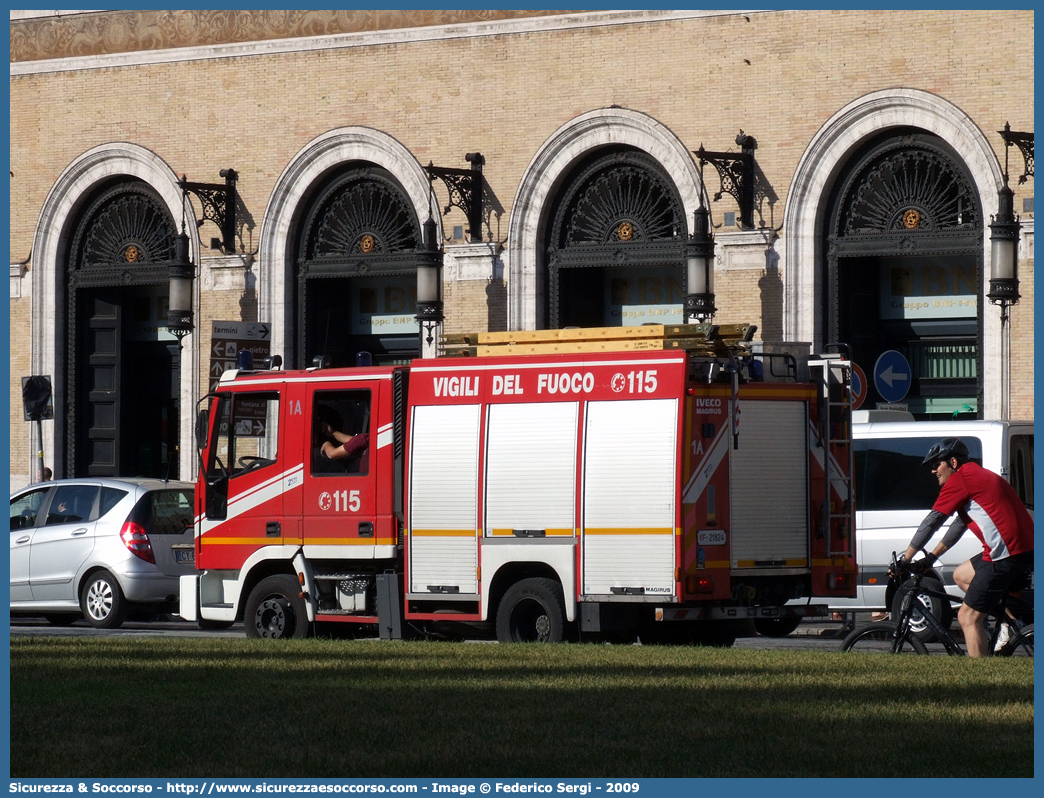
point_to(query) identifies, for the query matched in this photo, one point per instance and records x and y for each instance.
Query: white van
(894, 491)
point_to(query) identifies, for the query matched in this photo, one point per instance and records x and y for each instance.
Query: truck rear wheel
(275, 609)
(532, 611)
(776, 627)
(717, 634)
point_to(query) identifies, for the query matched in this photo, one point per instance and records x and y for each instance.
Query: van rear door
(1020, 462)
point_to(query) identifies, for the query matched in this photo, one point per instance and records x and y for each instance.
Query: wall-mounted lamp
(219, 206)
(699, 259)
(464, 187)
(738, 175)
(429, 282)
(180, 274)
(1004, 248)
(1004, 267)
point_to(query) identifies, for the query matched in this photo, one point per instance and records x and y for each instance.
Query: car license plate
(184, 555)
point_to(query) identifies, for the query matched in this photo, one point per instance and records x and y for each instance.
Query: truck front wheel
(532, 611)
(275, 609)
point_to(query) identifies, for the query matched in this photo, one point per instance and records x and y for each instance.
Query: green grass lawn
(132, 707)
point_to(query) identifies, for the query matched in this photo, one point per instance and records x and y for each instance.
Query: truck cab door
(340, 499)
(246, 477)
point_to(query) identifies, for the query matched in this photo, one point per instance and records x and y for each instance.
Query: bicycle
(901, 638)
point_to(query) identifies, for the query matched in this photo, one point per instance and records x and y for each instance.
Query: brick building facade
(857, 116)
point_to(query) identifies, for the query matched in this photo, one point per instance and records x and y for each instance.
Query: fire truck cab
(539, 490)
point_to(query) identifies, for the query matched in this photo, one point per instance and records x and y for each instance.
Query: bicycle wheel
(876, 638)
(1019, 646)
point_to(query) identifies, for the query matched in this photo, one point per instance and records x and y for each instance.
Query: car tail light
(136, 539)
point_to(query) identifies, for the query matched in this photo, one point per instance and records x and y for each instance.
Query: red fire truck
(665, 483)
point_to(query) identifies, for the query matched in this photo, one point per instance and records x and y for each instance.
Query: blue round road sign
(892, 376)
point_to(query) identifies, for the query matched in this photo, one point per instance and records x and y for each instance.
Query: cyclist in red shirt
(988, 505)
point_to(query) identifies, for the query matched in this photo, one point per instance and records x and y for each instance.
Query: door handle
(366, 529)
(23, 540)
(272, 529)
(79, 532)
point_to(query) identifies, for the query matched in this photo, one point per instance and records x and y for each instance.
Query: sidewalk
(824, 627)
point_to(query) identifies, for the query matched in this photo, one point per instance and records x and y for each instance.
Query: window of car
(889, 474)
(72, 504)
(25, 508)
(110, 497)
(164, 512)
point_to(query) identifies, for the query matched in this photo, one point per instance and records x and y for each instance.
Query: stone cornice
(63, 36)
(130, 38)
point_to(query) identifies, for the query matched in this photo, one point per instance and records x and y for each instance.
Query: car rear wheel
(102, 601)
(276, 610)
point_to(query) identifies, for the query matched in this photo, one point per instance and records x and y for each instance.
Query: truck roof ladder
(707, 340)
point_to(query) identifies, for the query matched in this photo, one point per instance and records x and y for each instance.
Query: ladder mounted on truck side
(833, 372)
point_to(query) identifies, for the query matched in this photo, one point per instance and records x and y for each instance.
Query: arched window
(118, 345)
(904, 260)
(616, 244)
(356, 269)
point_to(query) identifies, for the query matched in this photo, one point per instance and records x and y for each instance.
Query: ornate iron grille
(913, 189)
(620, 198)
(618, 209)
(364, 213)
(124, 226)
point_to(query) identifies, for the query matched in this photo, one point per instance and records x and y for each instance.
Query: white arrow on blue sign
(892, 376)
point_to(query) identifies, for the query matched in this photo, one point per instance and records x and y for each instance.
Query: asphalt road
(821, 636)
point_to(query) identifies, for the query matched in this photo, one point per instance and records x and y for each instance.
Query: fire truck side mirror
(202, 429)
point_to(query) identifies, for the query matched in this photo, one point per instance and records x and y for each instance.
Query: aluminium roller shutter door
(443, 519)
(768, 477)
(531, 468)
(630, 472)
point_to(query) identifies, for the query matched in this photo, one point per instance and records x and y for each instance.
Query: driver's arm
(353, 444)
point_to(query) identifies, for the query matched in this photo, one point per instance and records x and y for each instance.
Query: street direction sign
(892, 376)
(228, 337)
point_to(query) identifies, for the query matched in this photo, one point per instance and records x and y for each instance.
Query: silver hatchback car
(100, 547)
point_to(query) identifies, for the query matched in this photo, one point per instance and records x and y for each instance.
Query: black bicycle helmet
(944, 450)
